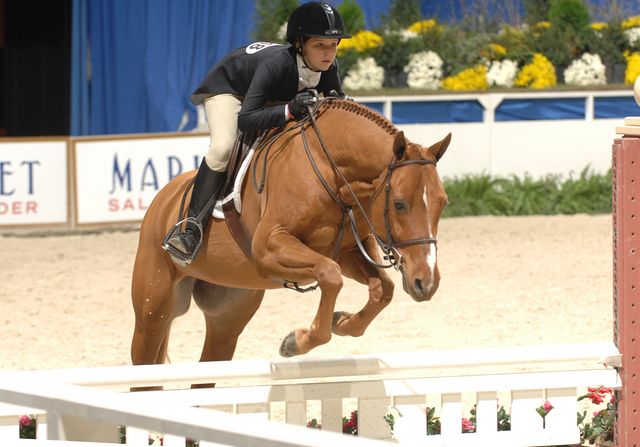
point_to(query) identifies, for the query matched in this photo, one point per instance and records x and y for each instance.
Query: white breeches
(222, 117)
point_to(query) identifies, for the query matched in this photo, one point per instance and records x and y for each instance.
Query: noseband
(389, 246)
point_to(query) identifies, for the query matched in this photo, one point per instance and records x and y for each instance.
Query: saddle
(230, 203)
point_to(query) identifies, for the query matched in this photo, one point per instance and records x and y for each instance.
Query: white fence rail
(252, 397)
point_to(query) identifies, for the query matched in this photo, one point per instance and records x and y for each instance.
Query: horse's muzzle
(420, 289)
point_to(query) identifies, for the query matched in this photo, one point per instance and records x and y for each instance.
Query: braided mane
(358, 109)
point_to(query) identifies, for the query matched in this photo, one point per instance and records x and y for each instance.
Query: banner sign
(33, 182)
(116, 179)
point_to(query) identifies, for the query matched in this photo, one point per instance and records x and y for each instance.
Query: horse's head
(411, 201)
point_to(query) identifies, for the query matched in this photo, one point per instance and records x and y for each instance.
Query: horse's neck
(362, 153)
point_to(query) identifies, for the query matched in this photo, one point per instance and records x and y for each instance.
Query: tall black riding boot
(208, 184)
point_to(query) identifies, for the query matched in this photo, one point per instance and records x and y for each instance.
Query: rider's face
(320, 52)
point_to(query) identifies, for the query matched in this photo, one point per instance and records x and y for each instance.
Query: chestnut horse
(337, 187)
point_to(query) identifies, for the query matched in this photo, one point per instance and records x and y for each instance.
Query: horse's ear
(399, 145)
(438, 149)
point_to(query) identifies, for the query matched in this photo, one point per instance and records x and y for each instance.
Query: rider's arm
(254, 114)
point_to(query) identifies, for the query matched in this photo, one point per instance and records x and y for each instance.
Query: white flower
(424, 70)
(282, 32)
(366, 75)
(502, 73)
(632, 35)
(588, 70)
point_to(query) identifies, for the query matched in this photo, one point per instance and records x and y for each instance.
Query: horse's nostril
(417, 284)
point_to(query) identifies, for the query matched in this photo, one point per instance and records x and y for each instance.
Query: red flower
(467, 426)
(24, 421)
(547, 406)
(596, 398)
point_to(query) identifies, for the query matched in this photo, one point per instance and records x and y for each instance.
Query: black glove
(298, 107)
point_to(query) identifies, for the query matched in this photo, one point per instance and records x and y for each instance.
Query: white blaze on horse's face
(432, 255)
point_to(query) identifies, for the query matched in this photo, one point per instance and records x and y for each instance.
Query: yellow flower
(494, 51)
(631, 22)
(633, 68)
(540, 73)
(543, 24)
(498, 49)
(361, 41)
(599, 26)
(423, 26)
(474, 78)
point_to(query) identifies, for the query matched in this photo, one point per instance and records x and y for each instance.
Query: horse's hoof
(337, 317)
(288, 345)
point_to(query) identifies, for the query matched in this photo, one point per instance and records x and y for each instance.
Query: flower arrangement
(588, 70)
(633, 68)
(502, 73)
(27, 426)
(365, 75)
(631, 22)
(542, 25)
(538, 74)
(474, 78)
(632, 35)
(494, 51)
(543, 410)
(600, 428)
(424, 70)
(423, 26)
(350, 425)
(362, 41)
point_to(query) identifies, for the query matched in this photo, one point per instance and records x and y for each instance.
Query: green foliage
(536, 11)
(559, 45)
(346, 61)
(609, 43)
(395, 52)
(352, 15)
(517, 43)
(270, 16)
(402, 13)
(434, 427)
(482, 194)
(569, 15)
(459, 49)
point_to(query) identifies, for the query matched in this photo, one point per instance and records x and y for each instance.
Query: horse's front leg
(282, 256)
(380, 285)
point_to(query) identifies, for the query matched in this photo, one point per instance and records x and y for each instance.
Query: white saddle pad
(236, 193)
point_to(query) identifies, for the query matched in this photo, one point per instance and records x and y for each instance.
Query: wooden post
(626, 280)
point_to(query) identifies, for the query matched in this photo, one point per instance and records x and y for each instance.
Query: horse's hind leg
(157, 299)
(226, 311)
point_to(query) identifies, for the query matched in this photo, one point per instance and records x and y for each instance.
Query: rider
(255, 88)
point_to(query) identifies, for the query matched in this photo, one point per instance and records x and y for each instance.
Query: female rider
(255, 88)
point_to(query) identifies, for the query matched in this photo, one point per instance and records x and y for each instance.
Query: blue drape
(145, 58)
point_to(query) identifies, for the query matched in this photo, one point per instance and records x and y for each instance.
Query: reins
(388, 247)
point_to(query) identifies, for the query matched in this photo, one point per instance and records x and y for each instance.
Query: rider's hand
(298, 107)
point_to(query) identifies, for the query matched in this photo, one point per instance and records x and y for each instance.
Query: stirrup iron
(176, 253)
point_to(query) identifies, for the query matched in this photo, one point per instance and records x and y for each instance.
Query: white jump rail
(77, 401)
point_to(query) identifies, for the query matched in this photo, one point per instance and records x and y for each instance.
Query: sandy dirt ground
(65, 301)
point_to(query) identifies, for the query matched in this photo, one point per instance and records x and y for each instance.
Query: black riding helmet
(315, 19)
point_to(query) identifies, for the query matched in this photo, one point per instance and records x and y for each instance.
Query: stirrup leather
(175, 252)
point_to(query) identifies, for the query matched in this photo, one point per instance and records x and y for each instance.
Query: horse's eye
(400, 205)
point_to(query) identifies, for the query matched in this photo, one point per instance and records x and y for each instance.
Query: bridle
(389, 245)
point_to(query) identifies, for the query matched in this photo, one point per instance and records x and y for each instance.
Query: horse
(340, 194)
